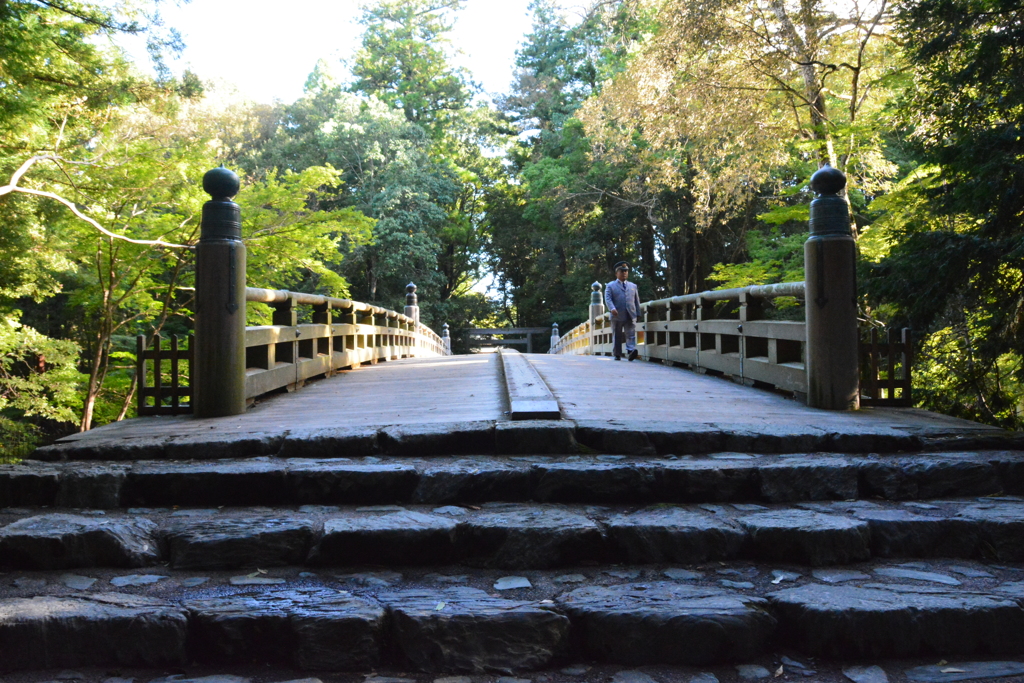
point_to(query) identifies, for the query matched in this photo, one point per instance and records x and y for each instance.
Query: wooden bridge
(412, 513)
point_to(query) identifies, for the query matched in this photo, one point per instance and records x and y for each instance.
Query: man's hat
(621, 265)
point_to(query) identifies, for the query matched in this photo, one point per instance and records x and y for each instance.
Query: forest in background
(676, 135)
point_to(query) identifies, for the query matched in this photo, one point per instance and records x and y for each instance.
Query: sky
(267, 51)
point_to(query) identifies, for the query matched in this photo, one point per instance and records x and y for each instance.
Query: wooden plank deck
(461, 389)
(600, 388)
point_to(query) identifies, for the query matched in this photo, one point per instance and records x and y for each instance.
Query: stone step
(459, 619)
(597, 479)
(178, 438)
(513, 535)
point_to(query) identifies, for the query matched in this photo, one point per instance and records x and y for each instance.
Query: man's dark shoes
(633, 355)
(618, 357)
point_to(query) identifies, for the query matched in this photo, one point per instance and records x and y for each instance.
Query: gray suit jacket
(625, 300)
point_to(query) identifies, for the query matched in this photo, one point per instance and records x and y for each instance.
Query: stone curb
(518, 536)
(719, 477)
(537, 436)
(463, 629)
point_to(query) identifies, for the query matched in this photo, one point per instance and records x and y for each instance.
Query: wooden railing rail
(343, 334)
(677, 330)
(230, 364)
(723, 331)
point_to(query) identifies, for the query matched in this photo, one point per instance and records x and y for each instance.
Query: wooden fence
(885, 378)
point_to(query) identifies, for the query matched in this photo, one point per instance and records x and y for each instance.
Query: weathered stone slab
(454, 438)
(223, 444)
(871, 439)
(91, 486)
(594, 482)
(481, 481)
(31, 483)
(963, 671)
(1009, 467)
(307, 628)
(803, 536)
(465, 629)
(534, 436)
(1000, 528)
(861, 622)
(59, 541)
(399, 536)
(536, 536)
(772, 438)
(256, 481)
(327, 482)
(668, 623)
(900, 533)
(707, 480)
(600, 437)
(917, 575)
(336, 442)
(669, 438)
(107, 629)
(100, 444)
(930, 476)
(674, 535)
(258, 540)
(799, 478)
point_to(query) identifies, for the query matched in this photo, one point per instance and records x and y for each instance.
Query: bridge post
(412, 309)
(219, 357)
(596, 311)
(830, 280)
(554, 337)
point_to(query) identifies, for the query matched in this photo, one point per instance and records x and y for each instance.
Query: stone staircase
(543, 547)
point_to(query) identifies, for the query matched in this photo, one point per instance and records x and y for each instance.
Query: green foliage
(39, 385)
(402, 63)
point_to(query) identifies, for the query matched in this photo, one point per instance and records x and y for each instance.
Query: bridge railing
(718, 331)
(343, 334)
(723, 331)
(229, 364)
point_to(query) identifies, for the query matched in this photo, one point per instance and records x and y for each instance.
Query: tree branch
(12, 186)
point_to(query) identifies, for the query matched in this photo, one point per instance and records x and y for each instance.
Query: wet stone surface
(674, 535)
(387, 536)
(632, 622)
(879, 620)
(225, 542)
(807, 537)
(465, 629)
(307, 628)
(59, 541)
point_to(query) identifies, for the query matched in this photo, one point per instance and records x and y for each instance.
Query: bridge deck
(599, 388)
(592, 391)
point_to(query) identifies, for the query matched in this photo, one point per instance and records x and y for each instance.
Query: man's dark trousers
(623, 331)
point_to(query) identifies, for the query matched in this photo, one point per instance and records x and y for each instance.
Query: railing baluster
(174, 372)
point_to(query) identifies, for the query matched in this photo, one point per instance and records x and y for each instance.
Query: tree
(949, 260)
(59, 83)
(402, 61)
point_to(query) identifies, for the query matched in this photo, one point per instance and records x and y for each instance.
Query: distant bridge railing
(343, 334)
(228, 364)
(724, 332)
(719, 331)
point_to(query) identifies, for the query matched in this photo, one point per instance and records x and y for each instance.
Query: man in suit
(623, 302)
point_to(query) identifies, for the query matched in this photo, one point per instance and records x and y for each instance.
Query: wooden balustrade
(343, 334)
(718, 331)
